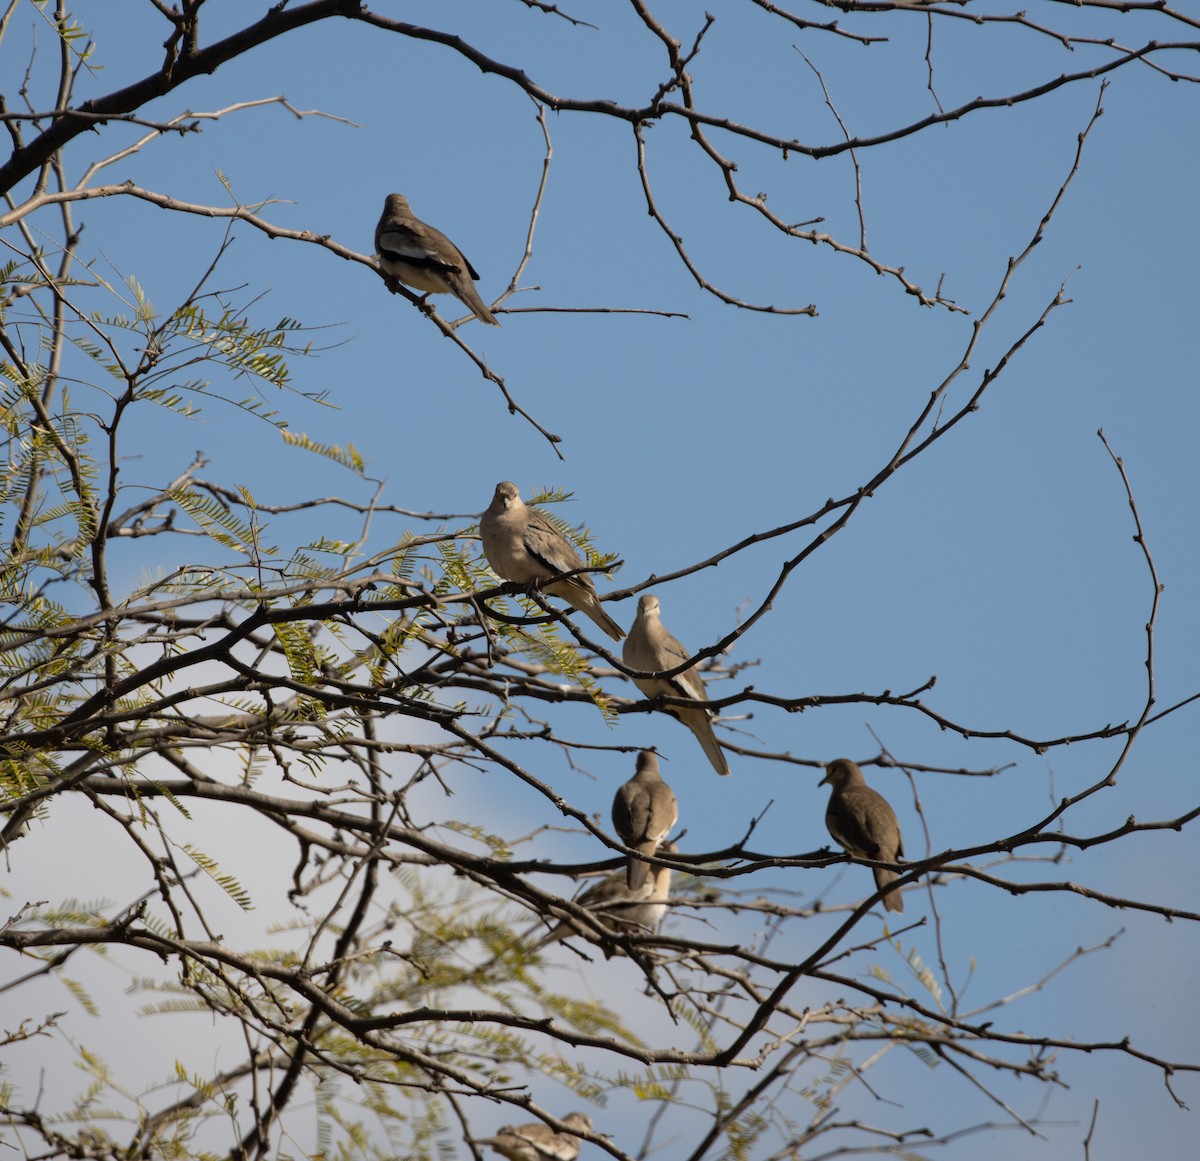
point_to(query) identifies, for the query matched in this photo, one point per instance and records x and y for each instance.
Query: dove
(643, 811)
(522, 545)
(863, 823)
(538, 1142)
(645, 917)
(637, 912)
(420, 256)
(651, 648)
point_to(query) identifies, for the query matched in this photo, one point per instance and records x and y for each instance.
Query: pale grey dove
(643, 811)
(638, 912)
(863, 823)
(538, 1142)
(645, 916)
(651, 648)
(420, 256)
(522, 545)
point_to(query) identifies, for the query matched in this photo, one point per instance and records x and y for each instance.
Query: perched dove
(861, 821)
(645, 918)
(522, 545)
(538, 1142)
(420, 256)
(637, 912)
(643, 812)
(651, 648)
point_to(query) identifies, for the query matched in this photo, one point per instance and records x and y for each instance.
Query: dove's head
(396, 205)
(647, 762)
(507, 495)
(578, 1121)
(647, 605)
(840, 773)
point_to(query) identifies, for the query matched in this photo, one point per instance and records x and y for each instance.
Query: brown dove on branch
(651, 648)
(538, 1142)
(523, 545)
(646, 918)
(420, 256)
(863, 823)
(643, 811)
(637, 912)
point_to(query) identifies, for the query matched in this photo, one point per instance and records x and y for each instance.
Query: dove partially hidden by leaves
(634, 912)
(649, 647)
(416, 254)
(523, 545)
(863, 823)
(538, 1142)
(643, 812)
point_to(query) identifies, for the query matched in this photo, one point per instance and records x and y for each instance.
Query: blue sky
(1001, 561)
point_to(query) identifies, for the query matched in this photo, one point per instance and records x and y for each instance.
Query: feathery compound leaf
(403, 564)
(227, 883)
(145, 308)
(577, 534)
(171, 398)
(248, 351)
(457, 574)
(217, 520)
(170, 796)
(924, 974)
(80, 993)
(303, 567)
(563, 657)
(347, 456)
